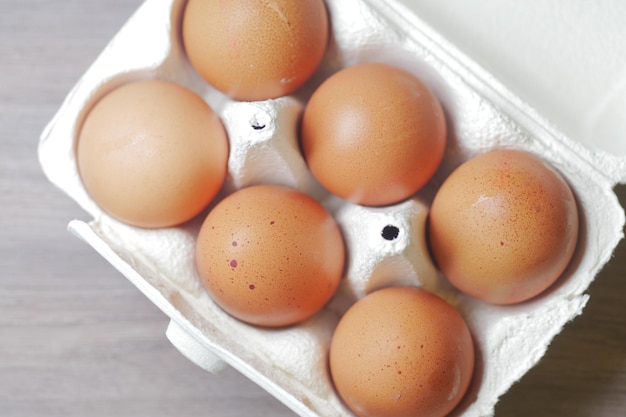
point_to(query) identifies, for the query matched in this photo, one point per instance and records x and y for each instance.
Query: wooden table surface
(77, 339)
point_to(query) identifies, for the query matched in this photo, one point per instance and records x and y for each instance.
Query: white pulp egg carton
(386, 246)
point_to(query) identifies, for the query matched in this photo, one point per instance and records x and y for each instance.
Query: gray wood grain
(77, 339)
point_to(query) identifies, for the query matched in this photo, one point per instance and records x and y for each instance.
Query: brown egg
(373, 134)
(503, 226)
(401, 351)
(152, 154)
(270, 255)
(255, 50)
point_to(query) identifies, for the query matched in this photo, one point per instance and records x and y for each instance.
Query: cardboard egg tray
(290, 363)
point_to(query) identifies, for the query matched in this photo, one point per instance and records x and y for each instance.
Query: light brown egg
(402, 351)
(152, 154)
(373, 134)
(255, 50)
(504, 226)
(270, 255)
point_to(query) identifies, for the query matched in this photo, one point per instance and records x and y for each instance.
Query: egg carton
(386, 246)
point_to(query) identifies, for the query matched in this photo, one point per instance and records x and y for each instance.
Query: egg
(270, 255)
(152, 154)
(255, 50)
(504, 226)
(401, 351)
(373, 134)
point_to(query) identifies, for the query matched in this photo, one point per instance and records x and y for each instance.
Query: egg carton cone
(386, 245)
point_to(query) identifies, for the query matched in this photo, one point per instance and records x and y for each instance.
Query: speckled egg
(504, 226)
(402, 351)
(270, 255)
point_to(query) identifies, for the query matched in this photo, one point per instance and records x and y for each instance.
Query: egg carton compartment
(386, 245)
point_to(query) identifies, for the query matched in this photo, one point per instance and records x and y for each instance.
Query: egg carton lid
(574, 78)
(144, 32)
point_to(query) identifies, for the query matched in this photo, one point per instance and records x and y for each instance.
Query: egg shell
(255, 50)
(402, 351)
(481, 115)
(373, 134)
(152, 153)
(270, 255)
(504, 226)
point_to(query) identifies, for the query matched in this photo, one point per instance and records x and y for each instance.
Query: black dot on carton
(390, 232)
(257, 126)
